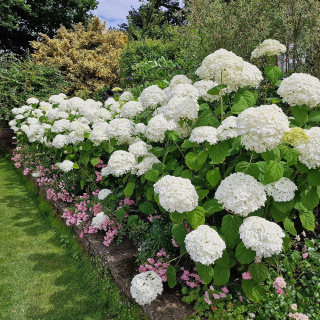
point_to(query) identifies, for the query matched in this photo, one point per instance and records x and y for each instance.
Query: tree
(22, 20)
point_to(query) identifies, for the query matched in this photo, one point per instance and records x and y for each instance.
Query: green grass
(43, 272)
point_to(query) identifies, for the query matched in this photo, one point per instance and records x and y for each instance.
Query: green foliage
(21, 79)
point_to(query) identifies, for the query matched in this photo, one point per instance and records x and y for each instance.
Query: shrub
(21, 79)
(89, 55)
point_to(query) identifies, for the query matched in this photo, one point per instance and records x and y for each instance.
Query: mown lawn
(43, 272)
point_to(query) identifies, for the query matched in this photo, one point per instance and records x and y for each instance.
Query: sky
(115, 11)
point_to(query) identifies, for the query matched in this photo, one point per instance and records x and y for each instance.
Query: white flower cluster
(120, 129)
(204, 245)
(32, 101)
(120, 163)
(104, 193)
(262, 236)
(140, 149)
(184, 90)
(269, 47)
(300, 89)
(98, 220)
(152, 96)
(179, 79)
(145, 287)
(126, 96)
(205, 133)
(282, 190)
(262, 128)
(241, 194)
(203, 86)
(227, 129)
(113, 105)
(145, 165)
(131, 109)
(157, 126)
(176, 194)
(66, 165)
(227, 68)
(310, 150)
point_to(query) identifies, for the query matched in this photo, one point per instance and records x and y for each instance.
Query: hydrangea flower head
(269, 47)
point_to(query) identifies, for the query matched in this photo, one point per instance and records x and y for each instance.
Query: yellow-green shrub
(89, 55)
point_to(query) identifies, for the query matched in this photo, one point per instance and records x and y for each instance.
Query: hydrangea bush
(229, 168)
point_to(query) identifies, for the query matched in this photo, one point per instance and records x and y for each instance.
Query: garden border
(120, 260)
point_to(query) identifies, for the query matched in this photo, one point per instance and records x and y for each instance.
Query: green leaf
(213, 177)
(289, 226)
(221, 275)
(307, 220)
(238, 108)
(246, 98)
(132, 220)
(216, 90)
(310, 198)
(196, 217)
(274, 172)
(81, 184)
(258, 271)
(186, 174)
(172, 135)
(171, 276)
(219, 152)
(244, 255)
(212, 206)
(146, 207)
(206, 119)
(205, 272)
(224, 261)
(284, 206)
(253, 290)
(120, 214)
(152, 175)
(94, 161)
(314, 177)
(149, 194)
(196, 160)
(158, 152)
(291, 155)
(75, 166)
(202, 194)
(187, 144)
(289, 264)
(247, 168)
(277, 214)
(86, 146)
(179, 233)
(314, 117)
(176, 216)
(128, 191)
(273, 73)
(177, 171)
(230, 227)
(300, 115)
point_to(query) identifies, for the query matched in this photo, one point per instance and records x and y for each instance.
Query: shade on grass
(43, 273)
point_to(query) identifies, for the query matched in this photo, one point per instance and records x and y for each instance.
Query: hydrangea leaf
(196, 217)
(186, 174)
(157, 151)
(273, 73)
(212, 206)
(75, 166)
(314, 177)
(258, 271)
(221, 275)
(171, 276)
(230, 227)
(128, 190)
(205, 272)
(300, 115)
(224, 261)
(202, 194)
(284, 206)
(146, 207)
(94, 161)
(248, 168)
(219, 152)
(196, 160)
(213, 177)
(244, 255)
(179, 233)
(274, 172)
(289, 226)
(253, 290)
(310, 198)
(216, 90)
(277, 214)
(149, 194)
(289, 264)
(314, 117)
(307, 220)
(152, 175)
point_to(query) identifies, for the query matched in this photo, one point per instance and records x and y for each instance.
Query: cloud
(115, 11)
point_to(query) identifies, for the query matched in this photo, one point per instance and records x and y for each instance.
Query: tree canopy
(22, 20)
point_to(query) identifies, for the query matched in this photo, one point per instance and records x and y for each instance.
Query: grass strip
(44, 274)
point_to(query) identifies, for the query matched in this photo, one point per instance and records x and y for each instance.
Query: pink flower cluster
(192, 280)
(215, 295)
(298, 316)
(159, 266)
(279, 284)
(246, 276)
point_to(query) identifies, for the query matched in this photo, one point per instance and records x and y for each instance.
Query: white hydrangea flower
(262, 128)
(184, 91)
(98, 220)
(179, 79)
(145, 287)
(60, 141)
(203, 87)
(152, 96)
(310, 150)
(120, 163)
(32, 101)
(227, 129)
(66, 165)
(262, 236)
(140, 128)
(60, 126)
(120, 129)
(281, 190)
(250, 76)
(104, 193)
(204, 245)
(269, 47)
(56, 99)
(104, 114)
(98, 133)
(241, 194)
(184, 130)
(145, 165)
(112, 105)
(45, 106)
(157, 126)
(205, 133)
(300, 89)
(176, 194)
(19, 117)
(131, 109)
(139, 149)
(126, 96)
(180, 108)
